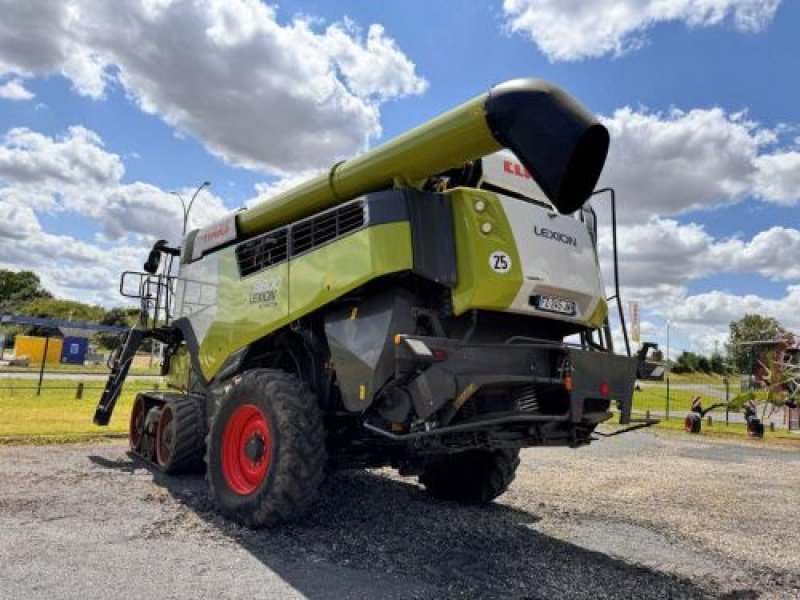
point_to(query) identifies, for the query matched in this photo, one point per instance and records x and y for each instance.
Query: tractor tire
(471, 477)
(693, 423)
(265, 451)
(755, 428)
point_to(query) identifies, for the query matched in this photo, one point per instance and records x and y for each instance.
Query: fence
(672, 399)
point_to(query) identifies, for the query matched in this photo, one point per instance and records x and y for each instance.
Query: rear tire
(693, 423)
(471, 477)
(266, 449)
(755, 428)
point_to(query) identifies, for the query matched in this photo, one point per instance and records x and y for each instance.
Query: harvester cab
(434, 304)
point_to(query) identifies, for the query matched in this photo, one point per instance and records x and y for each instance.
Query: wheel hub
(246, 449)
(254, 449)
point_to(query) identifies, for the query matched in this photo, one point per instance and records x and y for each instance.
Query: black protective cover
(559, 142)
(432, 234)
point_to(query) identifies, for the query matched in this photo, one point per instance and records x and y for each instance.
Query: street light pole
(187, 209)
(666, 412)
(667, 370)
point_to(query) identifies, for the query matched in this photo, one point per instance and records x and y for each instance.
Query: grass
(57, 416)
(80, 369)
(732, 430)
(654, 398)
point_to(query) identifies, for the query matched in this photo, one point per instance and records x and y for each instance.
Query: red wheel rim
(136, 427)
(246, 449)
(165, 436)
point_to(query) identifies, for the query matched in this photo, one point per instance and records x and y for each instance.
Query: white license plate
(554, 304)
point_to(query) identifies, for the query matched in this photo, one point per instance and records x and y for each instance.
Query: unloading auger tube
(558, 141)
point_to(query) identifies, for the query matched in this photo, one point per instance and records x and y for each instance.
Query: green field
(57, 415)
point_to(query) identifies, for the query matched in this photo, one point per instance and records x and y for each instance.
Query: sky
(108, 109)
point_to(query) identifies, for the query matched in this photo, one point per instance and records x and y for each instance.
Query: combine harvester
(407, 308)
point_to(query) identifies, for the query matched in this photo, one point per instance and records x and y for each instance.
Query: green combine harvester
(434, 304)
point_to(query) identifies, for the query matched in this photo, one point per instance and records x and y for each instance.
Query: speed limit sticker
(500, 262)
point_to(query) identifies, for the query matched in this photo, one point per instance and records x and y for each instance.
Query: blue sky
(104, 111)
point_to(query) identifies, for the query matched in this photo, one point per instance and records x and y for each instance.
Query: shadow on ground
(368, 522)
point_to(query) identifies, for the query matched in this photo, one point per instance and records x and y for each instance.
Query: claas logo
(516, 169)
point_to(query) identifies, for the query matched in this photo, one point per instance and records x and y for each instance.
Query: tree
(686, 363)
(118, 317)
(67, 310)
(718, 363)
(19, 287)
(750, 328)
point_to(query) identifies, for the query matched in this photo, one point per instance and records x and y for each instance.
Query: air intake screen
(262, 252)
(313, 232)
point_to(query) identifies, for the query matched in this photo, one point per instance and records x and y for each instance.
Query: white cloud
(74, 175)
(660, 260)
(279, 97)
(14, 89)
(663, 252)
(716, 309)
(574, 30)
(778, 177)
(77, 158)
(673, 163)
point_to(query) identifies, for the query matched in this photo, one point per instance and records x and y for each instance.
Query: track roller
(180, 435)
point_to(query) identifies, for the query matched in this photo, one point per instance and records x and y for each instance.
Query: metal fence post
(727, 399)
(79, 391)
(41, 368)
(666, 411)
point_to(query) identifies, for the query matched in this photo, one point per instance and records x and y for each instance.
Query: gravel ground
(636, 516)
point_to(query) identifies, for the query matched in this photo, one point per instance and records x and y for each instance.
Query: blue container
(74, 350)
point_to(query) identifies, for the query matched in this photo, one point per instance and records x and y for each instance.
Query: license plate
(554, 304)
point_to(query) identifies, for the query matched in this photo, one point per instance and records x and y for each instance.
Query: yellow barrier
(33, 348)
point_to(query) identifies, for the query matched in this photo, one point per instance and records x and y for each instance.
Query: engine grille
(276, 246)
(257, 254)
(326, 227)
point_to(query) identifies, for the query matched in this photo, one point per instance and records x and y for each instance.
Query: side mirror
(153, 260)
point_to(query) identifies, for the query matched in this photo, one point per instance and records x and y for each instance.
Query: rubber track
(299, 470)
(473, 477)
(190, 428)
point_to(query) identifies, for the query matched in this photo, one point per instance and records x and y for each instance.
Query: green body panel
(251, 308)
(179, 368)
(317, 278)
(447, 142)
(599, 315)
(245, 312)
(479, 286)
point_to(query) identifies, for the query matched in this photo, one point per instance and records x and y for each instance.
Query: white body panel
(503, 170)
(196, 294)
(558, 260)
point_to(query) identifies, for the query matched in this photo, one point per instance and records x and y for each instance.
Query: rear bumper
(443, 374)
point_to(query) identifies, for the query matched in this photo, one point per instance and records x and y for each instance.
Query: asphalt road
(636, 516)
